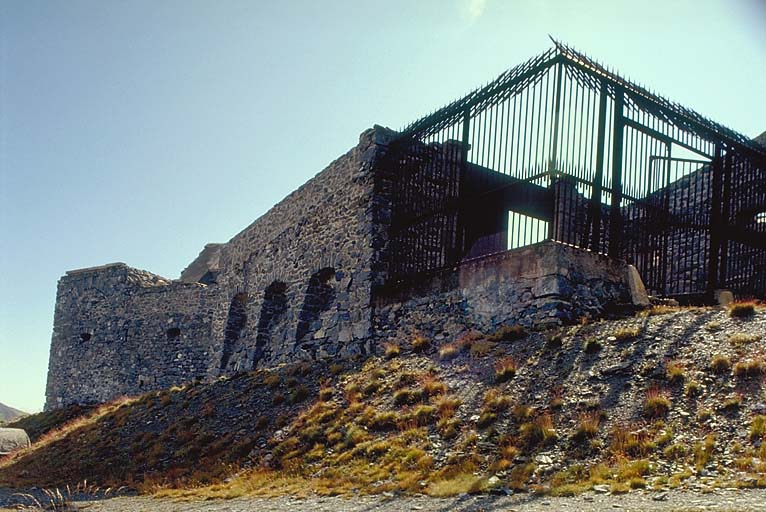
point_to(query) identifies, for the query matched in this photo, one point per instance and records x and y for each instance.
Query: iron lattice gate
(561, 148)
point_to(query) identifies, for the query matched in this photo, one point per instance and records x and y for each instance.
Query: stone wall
(293, 285)
(120, 331)
(542, 284)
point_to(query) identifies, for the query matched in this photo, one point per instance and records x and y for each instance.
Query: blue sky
(138, 131)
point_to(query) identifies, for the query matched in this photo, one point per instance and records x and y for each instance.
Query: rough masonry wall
(301, 274)
(121, 331)
(545, 283)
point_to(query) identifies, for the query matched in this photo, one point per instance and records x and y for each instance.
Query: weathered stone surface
(12, 439)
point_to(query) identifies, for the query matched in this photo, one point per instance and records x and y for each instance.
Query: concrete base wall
(541, 284)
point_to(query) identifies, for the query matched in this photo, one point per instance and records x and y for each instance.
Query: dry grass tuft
(627, 333)
(657, 403)
(509, 333)
(587, 427)
(505, 369)
(449, 351)
(675, 372)
(758, 428)
(391, 350)
(420, 343)
(749, 369)
(592, 345)
(720, 364)
(539, 432)
(742, 309)
(742, 338)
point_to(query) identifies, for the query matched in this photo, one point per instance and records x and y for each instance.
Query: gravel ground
(675, 501)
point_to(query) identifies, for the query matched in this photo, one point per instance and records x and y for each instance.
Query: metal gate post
(615, 216)
(715, 219)
(595, 200)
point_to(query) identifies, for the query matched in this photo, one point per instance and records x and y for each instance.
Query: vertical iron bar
(615, 216)
(715, 219)
(595, 200)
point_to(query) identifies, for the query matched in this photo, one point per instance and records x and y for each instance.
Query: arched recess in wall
(235, 323)
(320, 296)
(272, 313)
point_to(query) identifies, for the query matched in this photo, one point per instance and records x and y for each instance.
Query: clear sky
(137, 131)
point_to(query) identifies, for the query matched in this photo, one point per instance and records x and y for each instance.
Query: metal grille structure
(561, 148)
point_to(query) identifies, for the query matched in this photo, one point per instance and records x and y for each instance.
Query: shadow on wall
(235, 323)
(272, 313)
(320, 296)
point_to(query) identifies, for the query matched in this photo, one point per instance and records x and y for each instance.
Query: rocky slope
(9, 413)
(671, 398)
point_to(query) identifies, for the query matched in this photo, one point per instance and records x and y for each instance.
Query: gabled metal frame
(583, 156)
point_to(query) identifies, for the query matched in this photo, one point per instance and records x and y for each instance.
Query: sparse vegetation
(758, 428)
(741, 338)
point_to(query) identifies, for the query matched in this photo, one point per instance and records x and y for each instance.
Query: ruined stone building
(522, 202)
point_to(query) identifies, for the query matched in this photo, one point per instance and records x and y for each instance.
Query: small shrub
(675, 372)
(758, 428)
(627, 333)
(383, 421)
(326, 394)
(391, 350)
(449, 351)
(656, 404)
(509, 333)
(371, 387)
(420, 343)
(587, 427)
(592, 345)
(505, 369)
(704, 415)
(720, 364)
(751, 368)
(742, 309)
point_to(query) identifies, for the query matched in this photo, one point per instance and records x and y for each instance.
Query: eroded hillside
(669, 398)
